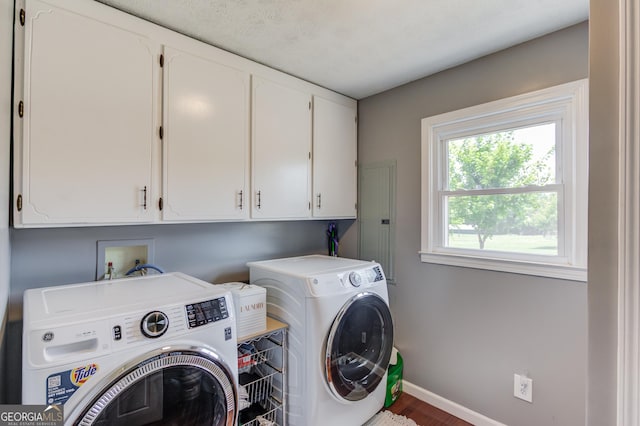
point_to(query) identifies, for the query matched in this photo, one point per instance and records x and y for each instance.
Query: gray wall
(214, 252)
(603, 212)
(6, 40)
(463, 333)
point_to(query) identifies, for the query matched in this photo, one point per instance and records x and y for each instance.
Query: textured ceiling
(360, 47)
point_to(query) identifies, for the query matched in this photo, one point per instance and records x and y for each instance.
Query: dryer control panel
(346, 281)
(372, 275)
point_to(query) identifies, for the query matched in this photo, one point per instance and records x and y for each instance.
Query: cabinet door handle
(144, 197)
(241, 200)
(259, 202)
(319, 200)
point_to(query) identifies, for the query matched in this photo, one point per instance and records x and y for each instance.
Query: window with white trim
(504, 184)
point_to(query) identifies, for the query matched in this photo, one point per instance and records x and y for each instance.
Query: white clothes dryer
(340, 335)
(159, 349)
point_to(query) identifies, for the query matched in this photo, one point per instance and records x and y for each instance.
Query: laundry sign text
(252, 307)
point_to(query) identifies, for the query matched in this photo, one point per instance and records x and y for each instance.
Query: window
(504, 184)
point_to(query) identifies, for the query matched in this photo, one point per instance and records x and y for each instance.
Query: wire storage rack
(262, 376)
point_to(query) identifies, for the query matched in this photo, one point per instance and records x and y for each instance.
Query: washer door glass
(176, 388)
(359, 347)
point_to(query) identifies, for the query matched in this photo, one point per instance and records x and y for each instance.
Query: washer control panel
(154, 324)
(205, 312)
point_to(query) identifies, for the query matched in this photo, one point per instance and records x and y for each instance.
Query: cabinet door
(206, 138)
(281, 151)
(334, 159)
(90, 110)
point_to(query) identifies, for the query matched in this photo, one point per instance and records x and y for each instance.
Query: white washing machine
(159, 349)
(340, 335)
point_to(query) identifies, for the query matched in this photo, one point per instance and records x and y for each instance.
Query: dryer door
(169, 387)
(359, 347)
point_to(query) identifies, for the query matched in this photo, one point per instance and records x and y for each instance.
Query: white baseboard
(450, 407)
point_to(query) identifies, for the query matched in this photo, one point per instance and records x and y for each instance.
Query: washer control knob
(154, 324)
(355, 279)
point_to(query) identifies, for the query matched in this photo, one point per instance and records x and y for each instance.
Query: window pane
(522, 223)
(506, 159)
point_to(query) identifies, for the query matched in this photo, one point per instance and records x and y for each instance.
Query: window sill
(550, 270)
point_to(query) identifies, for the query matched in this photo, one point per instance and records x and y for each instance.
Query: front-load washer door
(359, 347)
(169, 387)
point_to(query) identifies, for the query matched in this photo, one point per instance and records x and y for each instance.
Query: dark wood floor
(424, 414)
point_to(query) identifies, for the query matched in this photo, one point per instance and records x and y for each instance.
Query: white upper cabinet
(281, 151)
(121, 121)
(85, 143)
(206, 137)
(334, 158)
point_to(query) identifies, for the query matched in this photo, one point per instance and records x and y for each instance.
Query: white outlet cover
(523, 387)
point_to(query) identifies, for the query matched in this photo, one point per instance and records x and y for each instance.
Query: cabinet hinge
(21, 109)
(161, 60)
(309, 155)
(161, 132)
(309, 105)
(160, 204)
(19, 203)
(23, 17)
(309, 205)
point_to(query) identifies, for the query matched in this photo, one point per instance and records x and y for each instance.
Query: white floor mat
(387, 418)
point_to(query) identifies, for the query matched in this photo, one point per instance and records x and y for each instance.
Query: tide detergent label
(80, 375)
(62, 385)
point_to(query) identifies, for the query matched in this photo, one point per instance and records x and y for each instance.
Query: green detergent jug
(394, 379)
